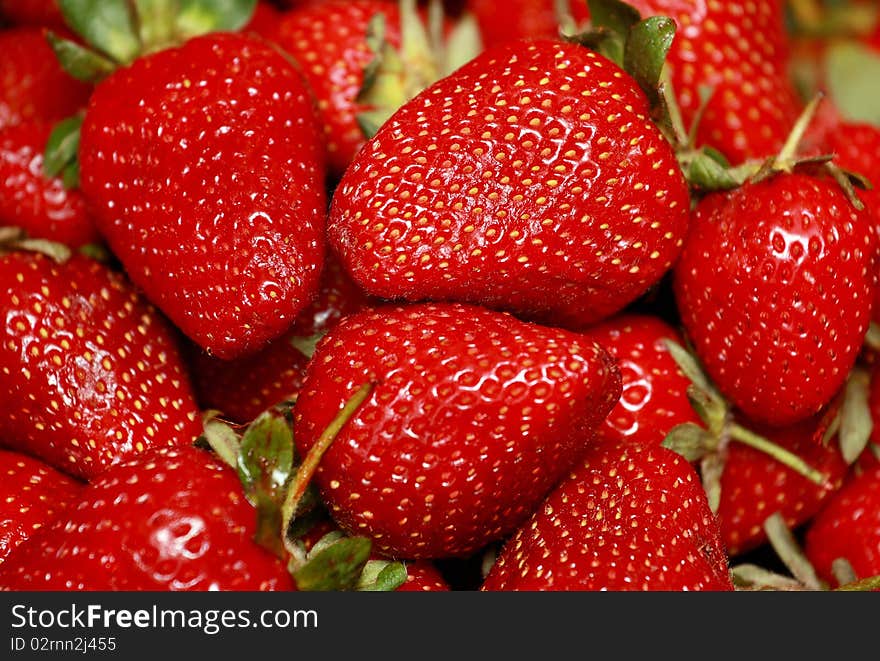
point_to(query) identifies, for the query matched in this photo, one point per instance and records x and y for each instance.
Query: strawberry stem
(788, 153)
(780, 454)
(309, 465)
(789, 551)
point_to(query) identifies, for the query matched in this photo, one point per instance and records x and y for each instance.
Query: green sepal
(852, 72)
(156, 23)
(644, 55)
(711, 471)
(690, 441)
(463, 44)
(107, 25)
(856, 423)
(337, 567)
(747, 576)
(197, 17)
(220, 437)
(306, 344)
(612, 21)
(382, 576)
(59, 158)
(266, 458)
(268, 532)
(80, 62)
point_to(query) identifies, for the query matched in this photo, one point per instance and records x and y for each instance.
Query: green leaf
(107, 25)
(382, 576)
(613, 20)
(221, 438)
(198, 17)
(338, 567)
(80, 62)
(644, 54)
(62, 146)
(265, 461)
(852, 71)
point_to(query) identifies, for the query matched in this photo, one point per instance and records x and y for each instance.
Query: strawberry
(245, 387)
(93, 373)
(33, 86)
(168, 519)
(32, 494)
(203, 166)
(739, 52)
(775, 288)
(32, 12)
(423, 576)
(848, 527)
(654, 397)
(33, 201)
(524, 19)
(473, 418)
(627, 517)
(530, 180)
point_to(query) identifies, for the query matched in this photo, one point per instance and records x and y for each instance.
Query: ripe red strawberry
(32, 494)
(856, 146)
(775, 289)
(33, 201)
(474, 417)
(32, 12)
(203, 166)
(91, 371)
(628, 517)
(654, 397)
(530, 180)
(33, 86)
(168, 519)
(848, 527)
(423, 576)
(754, 485)
(245, 387)
(741, 52)
(522, 19)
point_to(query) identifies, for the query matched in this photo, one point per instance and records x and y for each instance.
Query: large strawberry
(91, 371)
(32, 200)
(168, 519)
(654, 397)
(627, 517)
(32, 494)
(473, 418)
(33, 86)
(203, 166)
(775, 288)
(530, 180)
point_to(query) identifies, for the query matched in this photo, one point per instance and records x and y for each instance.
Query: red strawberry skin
(755, 486)
(33, 86)
(245, 387)
(32, 494)
(31, 200)
(171, 519)
(474, 417)
(775, 288)
(626, 518)
(521, 19)
(423, 576)
(654, 397)
(92, 372)
(548, 193)
(848, 527)
(203, 165)
(329, 40)
(32, 12)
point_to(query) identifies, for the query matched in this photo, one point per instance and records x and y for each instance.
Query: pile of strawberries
(379, 295)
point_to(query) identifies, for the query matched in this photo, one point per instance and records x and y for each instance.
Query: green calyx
(14, 239)
(396, 75)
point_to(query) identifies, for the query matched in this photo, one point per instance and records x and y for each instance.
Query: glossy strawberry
(245, 387)
(32, 494)
(531, 180)
(775, 289)
(654, 397)
(754, 485)
(523, 19)
(848, 527)
(740, 52)
(203, 166)
(33, 201)
(423, 576)
(169, 519)
(627, 517)
(474, 416)
(91, 371)
(33, 86)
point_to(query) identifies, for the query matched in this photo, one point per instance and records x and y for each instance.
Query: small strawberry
(32, 494)
(32, 200)
(473, 418)
(654, 397)
(245, 387)
(202, 164)
(91, 371)
(423, 576)
(627, 517)
(33, 86)
(775, 288)
(168, 519)
(848, 528)
(530, 180)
